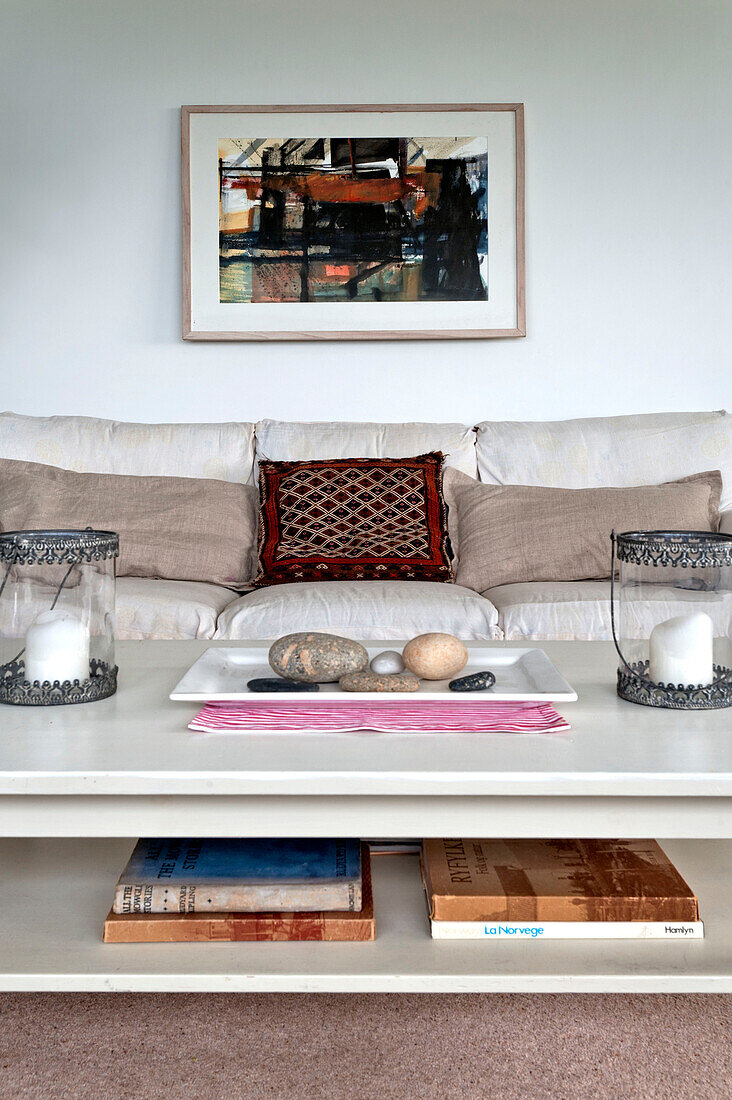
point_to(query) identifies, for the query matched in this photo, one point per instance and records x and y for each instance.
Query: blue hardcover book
(172, 875)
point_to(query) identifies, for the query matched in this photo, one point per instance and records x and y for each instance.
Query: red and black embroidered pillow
(353, 519)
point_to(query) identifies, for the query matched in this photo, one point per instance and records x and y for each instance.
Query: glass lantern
(673, 625)
(57, 593)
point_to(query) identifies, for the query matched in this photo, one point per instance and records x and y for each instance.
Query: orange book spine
(235, 927)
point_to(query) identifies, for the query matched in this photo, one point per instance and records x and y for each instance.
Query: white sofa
(629, 450)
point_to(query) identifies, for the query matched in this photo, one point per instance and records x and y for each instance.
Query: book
(553, 880)
(240, 875)
(522, 931)
(326, 925)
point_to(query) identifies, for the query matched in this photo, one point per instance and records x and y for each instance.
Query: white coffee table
(126, 767)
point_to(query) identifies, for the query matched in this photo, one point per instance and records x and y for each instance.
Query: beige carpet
(506, 1047)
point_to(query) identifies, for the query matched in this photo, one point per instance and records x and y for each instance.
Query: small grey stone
(477, 681)
(274, 683)
(387, 662)
(373, 681)
(312, 658)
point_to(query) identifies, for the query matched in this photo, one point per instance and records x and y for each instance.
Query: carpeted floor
(506, 1047)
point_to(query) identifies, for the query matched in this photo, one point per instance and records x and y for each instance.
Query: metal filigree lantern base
(635, 686)
(17, 691)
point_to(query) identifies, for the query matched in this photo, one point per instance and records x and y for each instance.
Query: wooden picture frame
(237, 288)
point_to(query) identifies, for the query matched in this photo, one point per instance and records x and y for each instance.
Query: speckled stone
(313, 658)
(435, 656)
(387, 662)
(373, 681)
(477, 681)
(274, 683)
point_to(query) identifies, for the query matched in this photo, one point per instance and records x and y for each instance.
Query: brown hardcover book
(331, 925)
(553, 880)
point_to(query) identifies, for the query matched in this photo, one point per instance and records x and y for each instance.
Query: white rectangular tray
(522, 675)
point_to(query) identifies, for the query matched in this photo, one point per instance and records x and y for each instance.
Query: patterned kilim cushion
(353, 519)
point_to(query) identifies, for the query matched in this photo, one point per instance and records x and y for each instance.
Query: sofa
(607, 451)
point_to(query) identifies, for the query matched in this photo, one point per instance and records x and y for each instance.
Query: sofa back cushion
(292, 441)
(84, 443)
(608, 451)
(513, 533)
(176, 528)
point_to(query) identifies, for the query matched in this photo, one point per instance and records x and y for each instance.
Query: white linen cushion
(607, 451)
(88, 445)
(292, 441)
(168, 609)
(556, 610)
(360, 609)
(569, 610)
(145, 608)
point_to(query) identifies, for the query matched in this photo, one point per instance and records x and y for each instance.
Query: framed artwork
(293, 233)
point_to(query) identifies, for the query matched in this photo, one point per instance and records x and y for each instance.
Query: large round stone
(316, 658)
(435, 656)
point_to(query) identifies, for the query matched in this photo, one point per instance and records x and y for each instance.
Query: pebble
(373, 681)
(387, 662)
(274, 683)
(477, 681)
(435, 656)
(313, 658)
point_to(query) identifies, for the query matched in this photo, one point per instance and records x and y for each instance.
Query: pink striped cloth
(397, 717)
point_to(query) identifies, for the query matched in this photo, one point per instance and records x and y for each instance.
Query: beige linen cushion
(177, 528)
(513, 533)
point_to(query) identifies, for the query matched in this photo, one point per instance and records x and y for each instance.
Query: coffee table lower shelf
(56, 894)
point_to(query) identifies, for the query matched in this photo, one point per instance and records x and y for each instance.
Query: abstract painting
(353, 219)
(299, 236)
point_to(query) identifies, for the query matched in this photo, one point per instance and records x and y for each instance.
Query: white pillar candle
(57, 648)
(682, 650)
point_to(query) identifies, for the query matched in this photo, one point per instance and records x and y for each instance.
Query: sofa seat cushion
(144, 608)
(556, 610)
(568, 610)
(361, 609)
(168, 609)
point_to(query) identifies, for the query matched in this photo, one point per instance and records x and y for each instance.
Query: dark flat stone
(275, 683)
(477, 681)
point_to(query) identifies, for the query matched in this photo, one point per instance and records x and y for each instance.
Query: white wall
(629, 233)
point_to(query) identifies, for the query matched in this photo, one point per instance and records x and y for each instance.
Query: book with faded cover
(553, 880)
(221, 875)
(209, 927)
